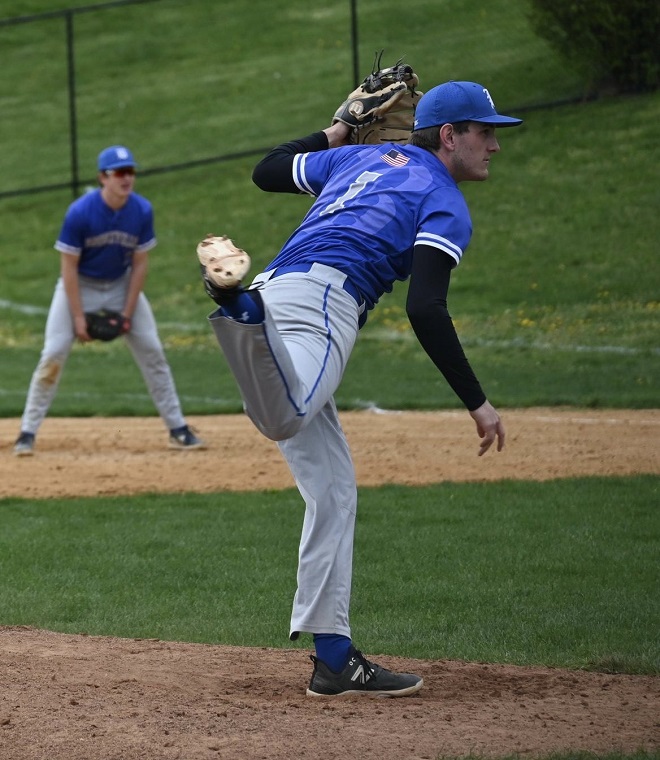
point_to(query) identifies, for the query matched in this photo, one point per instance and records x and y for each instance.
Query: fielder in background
(104, 249)
(382, 213)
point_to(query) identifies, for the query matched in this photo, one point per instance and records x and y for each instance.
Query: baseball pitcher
(383, 211)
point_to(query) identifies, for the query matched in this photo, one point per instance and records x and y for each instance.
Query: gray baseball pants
(142, 340)
(288, 369)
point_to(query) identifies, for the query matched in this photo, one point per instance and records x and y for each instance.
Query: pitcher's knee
(280, 430)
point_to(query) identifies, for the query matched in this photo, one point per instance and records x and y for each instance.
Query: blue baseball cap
(458, 101)
(115, 157)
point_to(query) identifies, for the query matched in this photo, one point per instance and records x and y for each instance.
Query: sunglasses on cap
(123, 171)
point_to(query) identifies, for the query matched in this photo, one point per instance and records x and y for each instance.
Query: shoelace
(369, 668)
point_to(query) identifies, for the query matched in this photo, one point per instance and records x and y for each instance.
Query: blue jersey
(373, 204)
(105, 239)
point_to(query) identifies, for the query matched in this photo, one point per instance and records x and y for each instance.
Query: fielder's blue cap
(115, 157)
(459, 101)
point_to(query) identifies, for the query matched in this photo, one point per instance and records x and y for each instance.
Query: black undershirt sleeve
(274, 172)
(426, 307)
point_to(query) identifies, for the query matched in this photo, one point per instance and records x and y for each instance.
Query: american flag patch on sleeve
(394, 158)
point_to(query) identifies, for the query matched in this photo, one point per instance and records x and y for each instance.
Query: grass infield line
(394, 336)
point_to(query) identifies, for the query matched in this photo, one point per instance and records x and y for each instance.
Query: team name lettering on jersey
(114, 237)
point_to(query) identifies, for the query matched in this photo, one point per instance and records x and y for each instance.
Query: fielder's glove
(382, 108)
(106, 324)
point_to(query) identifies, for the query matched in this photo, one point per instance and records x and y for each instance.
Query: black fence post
(73, 126)
(354, 42)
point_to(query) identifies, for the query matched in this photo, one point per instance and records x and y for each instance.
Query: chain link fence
(188, 84)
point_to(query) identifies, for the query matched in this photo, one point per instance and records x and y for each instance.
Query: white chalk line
(370, 406)
(127, 396)
(22, 308)
(597, 420)
(40, 311)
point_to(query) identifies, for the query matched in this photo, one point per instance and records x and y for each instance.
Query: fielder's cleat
(24, 446)
(360, 677)
(184, 438)
(223, 267)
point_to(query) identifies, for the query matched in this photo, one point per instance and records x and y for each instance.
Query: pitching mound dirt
(65, 697)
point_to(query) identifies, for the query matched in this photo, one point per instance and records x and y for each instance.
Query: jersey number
(356, 187)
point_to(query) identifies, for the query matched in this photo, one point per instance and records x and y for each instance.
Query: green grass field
(556, 303)
(556, 300)
(560, 281)
(559, 573)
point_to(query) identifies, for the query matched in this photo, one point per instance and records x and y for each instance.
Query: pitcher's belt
(324, 273)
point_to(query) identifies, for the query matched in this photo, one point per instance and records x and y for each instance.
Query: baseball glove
(106, 324)
(382, 108)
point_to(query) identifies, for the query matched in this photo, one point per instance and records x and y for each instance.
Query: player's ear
(447, 136)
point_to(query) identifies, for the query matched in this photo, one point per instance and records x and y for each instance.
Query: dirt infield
(122, 455)
(65, 697)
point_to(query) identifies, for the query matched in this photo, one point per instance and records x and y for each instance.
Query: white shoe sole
(363, 692)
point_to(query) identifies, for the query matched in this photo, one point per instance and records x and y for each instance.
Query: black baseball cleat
(360, 677)
(223, 267)
(184, 438)
(24, 446)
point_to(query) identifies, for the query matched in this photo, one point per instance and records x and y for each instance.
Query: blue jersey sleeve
(445, 222)
(311, 171)
(72, 235)
(147, 237)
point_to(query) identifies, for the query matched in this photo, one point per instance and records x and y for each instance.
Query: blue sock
(246, 307)
(332, 649)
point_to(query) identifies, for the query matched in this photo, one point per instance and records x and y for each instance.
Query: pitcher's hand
(489, 427)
